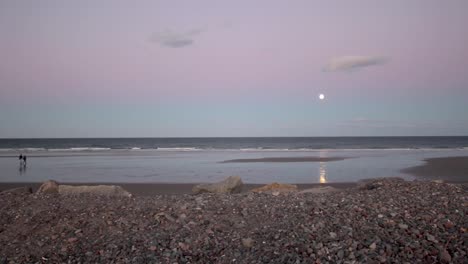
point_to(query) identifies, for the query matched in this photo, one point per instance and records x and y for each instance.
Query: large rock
(20, 190)
(232, 184)
(101, 190)
(276, 188)
(48, 187)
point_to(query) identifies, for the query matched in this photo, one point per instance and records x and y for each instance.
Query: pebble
(445, 256)
(247, 242)
(403, 226)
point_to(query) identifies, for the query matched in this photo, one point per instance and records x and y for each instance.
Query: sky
(233, 68)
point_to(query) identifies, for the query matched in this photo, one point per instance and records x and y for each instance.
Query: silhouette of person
(24, 160)
(21, 159)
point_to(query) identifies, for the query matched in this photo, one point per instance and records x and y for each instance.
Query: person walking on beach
(21, 159)
(24, 160)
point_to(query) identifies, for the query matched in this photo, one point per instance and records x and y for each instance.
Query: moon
(321, 96)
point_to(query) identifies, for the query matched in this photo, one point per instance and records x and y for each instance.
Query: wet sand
(286, 159)
(451, 169)
(149, 189)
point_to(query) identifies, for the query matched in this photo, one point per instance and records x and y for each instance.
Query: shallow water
(205, 165)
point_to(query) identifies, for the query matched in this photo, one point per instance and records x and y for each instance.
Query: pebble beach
(381, 221)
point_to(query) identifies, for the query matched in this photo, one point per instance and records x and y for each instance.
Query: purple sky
(243, 68)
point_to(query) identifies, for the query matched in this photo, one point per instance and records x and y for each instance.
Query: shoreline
(150, 189)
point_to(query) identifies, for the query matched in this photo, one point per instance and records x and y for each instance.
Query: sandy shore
(385, 221)
(149, 189)
(451, 169)
(286, 159)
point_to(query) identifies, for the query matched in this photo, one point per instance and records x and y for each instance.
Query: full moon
(321, 96)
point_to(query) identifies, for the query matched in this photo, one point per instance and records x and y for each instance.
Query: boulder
(276, 188)
(20, 190)
(48, 187)
(101, 190)
(232, 184)
(321, 189)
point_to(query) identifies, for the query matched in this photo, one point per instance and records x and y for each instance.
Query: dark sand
(150, 189)
(452, 169)
(285, 159)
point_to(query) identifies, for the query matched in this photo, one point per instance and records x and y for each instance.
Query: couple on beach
(22, 159)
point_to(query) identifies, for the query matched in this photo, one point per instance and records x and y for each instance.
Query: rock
(431, 238)
(324, 189)
(438, 181)
(332, 235)
(276, 187)
(101, 190)
(20, 190)
(232, 184)
(247, 242)
(48, 187)
(448, 224)
(444, 256)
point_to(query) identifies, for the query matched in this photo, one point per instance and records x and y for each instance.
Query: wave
(179, 149)
(259, 149)
(79, 149)
(22, 149)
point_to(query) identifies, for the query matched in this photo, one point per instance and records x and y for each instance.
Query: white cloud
(173, 39)
(349, 63)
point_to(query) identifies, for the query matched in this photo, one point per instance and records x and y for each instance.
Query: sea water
(193, 160)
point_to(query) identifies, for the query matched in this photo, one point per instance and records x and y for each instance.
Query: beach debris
(276, 187)
(232, 184)
(48, 187)
(19, 190)
(320, 189)
(371, 184)
(102, 190)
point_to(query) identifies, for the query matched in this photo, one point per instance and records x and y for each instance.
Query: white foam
(178, 149)
(78, 149)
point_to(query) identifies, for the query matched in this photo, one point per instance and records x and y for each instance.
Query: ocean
(193, 160)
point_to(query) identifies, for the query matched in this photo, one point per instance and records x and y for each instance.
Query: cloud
(175, 40)
(349, 63)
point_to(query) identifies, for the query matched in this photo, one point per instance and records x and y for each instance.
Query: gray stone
(232, 184)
